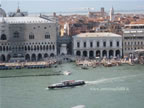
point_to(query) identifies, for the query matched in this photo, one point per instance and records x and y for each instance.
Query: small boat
(69, 83)
(79, 106)
(67, 73)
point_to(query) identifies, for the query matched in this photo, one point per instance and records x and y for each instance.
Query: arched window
(28, 48)
(31, 36)
(40, 47)
(47, 35)
(47, 47)
(43, 47)
(0, 48)
(35, 48)
(53, 47)
(3, 37)
(25, 48)
(16, 34)
(50, 47)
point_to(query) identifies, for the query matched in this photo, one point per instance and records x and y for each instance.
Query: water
(113, 87)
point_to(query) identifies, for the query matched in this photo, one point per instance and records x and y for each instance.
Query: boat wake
(107, 80)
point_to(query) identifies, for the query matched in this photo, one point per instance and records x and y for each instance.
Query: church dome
(18, 13)
(2, 13)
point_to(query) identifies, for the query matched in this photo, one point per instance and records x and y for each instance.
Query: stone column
(81, 53)
(75, 52)
(101, 43)
(120, 53)
(87, 44)
(114, 53)
(101, 53)
(36, 57)
(94, 53)
(87, 53)
(107, 53)
(81, 44)
(94, 44)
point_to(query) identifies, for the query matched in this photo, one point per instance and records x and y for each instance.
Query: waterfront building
(133, 38)
(27, 38)
(103, 44)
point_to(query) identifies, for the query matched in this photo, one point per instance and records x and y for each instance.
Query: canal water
(107, 87)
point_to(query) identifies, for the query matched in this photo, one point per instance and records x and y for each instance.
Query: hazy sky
(70, 5)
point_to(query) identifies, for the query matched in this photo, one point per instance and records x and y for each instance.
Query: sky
(71, 5)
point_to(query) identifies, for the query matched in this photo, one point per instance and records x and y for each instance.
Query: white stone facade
(97, 45)
(33, 38)
(133, 38)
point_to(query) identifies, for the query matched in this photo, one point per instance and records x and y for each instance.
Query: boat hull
(69, 85)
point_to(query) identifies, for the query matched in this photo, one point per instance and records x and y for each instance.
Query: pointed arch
(38, 48)
(33, 57)
(78, 53)
(27, 57)
(3, 37)
(47, 47)
(45, 55)
(39, 57)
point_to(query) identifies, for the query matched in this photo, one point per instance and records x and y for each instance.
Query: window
(111, 44)
(128, 43)
(97, 44)
(138, 43)
(104, 44)
(16, 34)
(117, 43)
(31, 36)
(91, 44)
(84, 44)
(3, 37)
(47, 35)
(78, 44)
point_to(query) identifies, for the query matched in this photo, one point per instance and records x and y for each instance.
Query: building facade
(133, 38)
(27, 38)
(97, 45)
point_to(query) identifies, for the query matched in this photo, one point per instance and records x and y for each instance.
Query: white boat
(67, 73)
(84, 66)
(79, 106)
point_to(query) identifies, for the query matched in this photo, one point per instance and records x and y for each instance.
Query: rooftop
(100, 34)
(17, 20)
(134, 25)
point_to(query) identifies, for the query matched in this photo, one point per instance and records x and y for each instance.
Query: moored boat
(67, 73)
